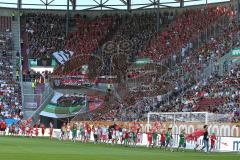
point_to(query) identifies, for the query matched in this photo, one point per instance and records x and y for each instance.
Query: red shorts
(150, 140)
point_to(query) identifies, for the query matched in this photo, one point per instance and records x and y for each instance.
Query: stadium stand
(5, 23)
(43, 34)
(195, 60)
(10, 91)
(218, 94)
(183, 31)
(185, 45)
(131, 36)
(146, 43)
(132, 32)
(90, 33)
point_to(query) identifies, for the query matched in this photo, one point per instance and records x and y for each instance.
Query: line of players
(112, 135)
(23, 129)
(131, 137)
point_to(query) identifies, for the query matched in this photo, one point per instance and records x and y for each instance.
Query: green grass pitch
(19, 148)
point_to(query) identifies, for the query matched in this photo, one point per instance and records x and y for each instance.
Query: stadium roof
(103, 4)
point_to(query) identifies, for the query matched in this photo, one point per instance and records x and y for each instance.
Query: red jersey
(213, 139)
(137, 125)
(163, 138)
(36, 130)
(149, 135)
(30, 130)
(23, 128)
(117, 127)
(3, 125)
(88, 130)
(126, 135)
(43, 129)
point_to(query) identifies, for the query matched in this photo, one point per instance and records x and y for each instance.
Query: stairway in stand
(16, 40)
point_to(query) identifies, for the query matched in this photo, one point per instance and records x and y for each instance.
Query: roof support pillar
(129, 5)
(19, 5)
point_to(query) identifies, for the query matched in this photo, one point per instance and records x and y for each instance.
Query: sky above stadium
(61, 3)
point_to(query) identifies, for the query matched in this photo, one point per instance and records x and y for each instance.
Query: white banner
(229, 144)
(31, 105)
(62, 56)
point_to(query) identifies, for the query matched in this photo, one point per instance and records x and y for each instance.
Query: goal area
(177, 121)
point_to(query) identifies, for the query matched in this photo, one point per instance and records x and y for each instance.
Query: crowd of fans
(90, 33)
(136, 30)
(10, 91)
(183, 75)
(221, 92)
(45, 34)
(5, 23)
(195, 61)
(111, 34)
(185, 27)
(217, 94)
(87, 39)
(135, 35)
(130, 38)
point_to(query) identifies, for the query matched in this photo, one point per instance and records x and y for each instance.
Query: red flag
(195, 135)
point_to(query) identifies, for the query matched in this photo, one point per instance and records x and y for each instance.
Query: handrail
(40, 108)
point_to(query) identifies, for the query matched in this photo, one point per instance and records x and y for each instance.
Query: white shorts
(120, 134)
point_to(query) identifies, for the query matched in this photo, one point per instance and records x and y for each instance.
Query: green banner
(53, 108)
(53, 63)
(142, 61)
(236, 52)
(32, 62)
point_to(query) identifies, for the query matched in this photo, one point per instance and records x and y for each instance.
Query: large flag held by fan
(198, 133)
(195, 135)
(62, 56)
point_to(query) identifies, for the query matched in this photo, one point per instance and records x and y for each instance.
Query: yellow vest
(33, 84)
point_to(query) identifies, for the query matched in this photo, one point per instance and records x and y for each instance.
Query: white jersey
(120, 133)
(117, 133)
(113, 134)
(51, 125)
(86, 132)
(96, 130)
(104, 131)
(68, 128)
(99, 131)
